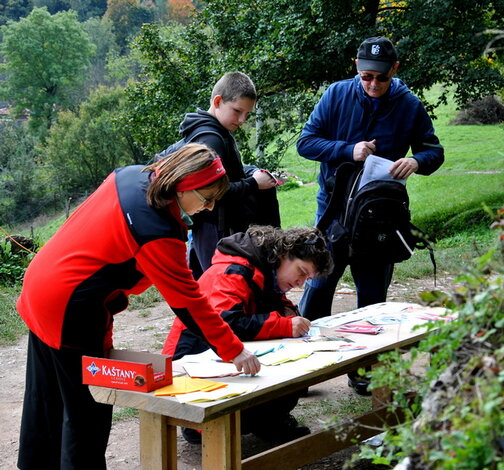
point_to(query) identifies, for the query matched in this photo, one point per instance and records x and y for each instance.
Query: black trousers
(62, 427)
(372, 280)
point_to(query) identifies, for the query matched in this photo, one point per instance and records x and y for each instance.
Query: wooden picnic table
(219, 421)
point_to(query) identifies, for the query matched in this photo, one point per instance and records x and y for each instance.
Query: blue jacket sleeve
(426, 148)
(315, 142)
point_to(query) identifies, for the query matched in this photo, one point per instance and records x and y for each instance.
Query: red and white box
(128, 370)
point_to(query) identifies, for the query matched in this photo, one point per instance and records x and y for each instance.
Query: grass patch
(298, 206)
(334, 409)
(146, 299)
(124, 413)
(11, 325)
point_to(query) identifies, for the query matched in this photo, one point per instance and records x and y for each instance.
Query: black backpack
(372, 223)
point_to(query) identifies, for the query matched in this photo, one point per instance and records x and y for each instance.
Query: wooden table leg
(158, 442)
(221, 443)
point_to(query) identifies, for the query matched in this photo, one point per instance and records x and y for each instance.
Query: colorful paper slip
(210, 369)
(231, 390)
(365, 329)
(183, 385)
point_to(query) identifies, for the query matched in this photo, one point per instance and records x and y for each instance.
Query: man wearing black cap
(370, 114)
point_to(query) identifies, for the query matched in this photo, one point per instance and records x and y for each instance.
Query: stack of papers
(230, 390)
(365, 313)
(324, 346)
(210, 369)
(365, 329)
(290, 352)
(183, 385)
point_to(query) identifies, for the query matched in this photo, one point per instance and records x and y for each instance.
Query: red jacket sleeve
(232, 297)
(163, 261)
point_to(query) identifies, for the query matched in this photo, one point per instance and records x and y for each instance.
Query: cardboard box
(128, 370)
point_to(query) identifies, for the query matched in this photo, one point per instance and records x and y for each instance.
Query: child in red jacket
(246, 284)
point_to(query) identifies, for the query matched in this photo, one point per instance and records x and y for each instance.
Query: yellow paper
(232, 390)
(182, 385)
(291, 352)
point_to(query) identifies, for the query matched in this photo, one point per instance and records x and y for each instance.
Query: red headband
(202, 178)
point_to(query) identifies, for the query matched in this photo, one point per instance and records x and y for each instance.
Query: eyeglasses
(367, 77)
(204, 201)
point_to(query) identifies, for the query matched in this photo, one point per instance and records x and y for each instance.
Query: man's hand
(247, 363)
(403, 168)
(300, 326)
(363, 149)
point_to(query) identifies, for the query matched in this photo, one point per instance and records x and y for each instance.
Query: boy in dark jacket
(251, 198)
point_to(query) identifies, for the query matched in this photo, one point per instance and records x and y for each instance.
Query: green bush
(12, 264)
(456, 420)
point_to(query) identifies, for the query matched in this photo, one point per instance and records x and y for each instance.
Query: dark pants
(62, 427)
(371, 281)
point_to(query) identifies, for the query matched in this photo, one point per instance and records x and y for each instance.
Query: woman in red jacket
(128, 235)
(246, 284)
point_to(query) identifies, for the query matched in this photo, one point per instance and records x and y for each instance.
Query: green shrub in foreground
(456, 420)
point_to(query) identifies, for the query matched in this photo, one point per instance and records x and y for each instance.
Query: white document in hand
(376, 168)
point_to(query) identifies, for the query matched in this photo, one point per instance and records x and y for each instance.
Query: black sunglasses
(367, 77)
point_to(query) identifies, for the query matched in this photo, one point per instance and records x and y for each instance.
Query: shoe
(282, 431)
(191, 435)
(359, 383)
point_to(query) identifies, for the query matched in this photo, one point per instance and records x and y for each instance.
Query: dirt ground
(146, 330)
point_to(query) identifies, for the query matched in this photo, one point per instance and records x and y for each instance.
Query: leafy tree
(46, 57)
(122, 68)
(84, 147)
(444, 42)
(53, 6)
(127, 16)
(21, 180)
(455, 420)
(180, 11)
(174, 79)
(292, 49)
(87, 9)
(101, 32)
(14, 9)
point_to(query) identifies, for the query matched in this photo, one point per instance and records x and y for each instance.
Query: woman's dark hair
(176, 166)
(305, 243)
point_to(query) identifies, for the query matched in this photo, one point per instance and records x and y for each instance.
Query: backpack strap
(193, 137)
(345, 180)
(203, 131)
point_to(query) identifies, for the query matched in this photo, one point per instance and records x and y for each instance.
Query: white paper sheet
(376, 168)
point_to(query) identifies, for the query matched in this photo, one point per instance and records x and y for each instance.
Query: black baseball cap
(377, 54)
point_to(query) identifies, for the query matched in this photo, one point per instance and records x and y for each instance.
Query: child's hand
(300, 326)
(265, 179)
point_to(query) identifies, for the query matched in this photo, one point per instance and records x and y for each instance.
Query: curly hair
(305, 243)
